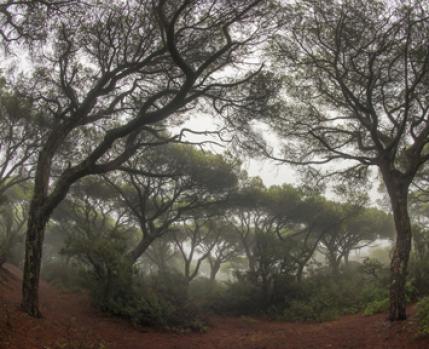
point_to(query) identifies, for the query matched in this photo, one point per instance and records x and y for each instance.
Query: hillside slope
(71, 323)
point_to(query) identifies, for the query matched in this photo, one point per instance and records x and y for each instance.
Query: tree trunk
(300, 272)
(143, 245)
(33, 258)
(187, 271)
(334, 263)
(40, 211)
(214, 269)
(398, 267)
(162, 265)
(2, 261)
(346, 258)
(41, 208)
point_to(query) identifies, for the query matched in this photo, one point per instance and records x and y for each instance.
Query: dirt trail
(69, 318)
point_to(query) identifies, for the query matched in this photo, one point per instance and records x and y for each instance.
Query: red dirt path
(69, 318)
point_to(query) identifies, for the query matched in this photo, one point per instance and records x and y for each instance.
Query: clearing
(70, 322)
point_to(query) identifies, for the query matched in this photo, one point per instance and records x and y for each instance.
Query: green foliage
(319, 297)
(422, 311)
(376, 307)
(63, 275)
(374, 270)
(308, 311)
(324, 297)
(158, 301)
(241, 297)
(419, 275)
(205, 293)
(12, 223)
(114, 283)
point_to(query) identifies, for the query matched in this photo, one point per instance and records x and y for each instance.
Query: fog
(214, 174)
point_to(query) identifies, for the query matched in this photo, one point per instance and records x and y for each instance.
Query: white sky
(271, 172)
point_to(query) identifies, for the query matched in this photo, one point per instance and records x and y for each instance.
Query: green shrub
(157, 301)
(376, 307)
(411, 292)
(119, 289)
(422, 311)
(418, 276)
(63, 275)
(308, 311)
(371, 293)
(241, 298)
(206, 294)
(319, 297)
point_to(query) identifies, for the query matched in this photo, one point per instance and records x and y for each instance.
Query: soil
(70, 322)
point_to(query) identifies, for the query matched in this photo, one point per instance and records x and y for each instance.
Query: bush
(422, 310)
(376, 307)
(319, 297)
(241, 297)
(206, 294)
(117, 288)
(309, 311)
(157, 301)
(418, 275)
(63, 275)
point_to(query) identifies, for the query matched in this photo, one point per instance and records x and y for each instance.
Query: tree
(94, 231)
(12, 219)
(314, 218)
(112, 78)
(352, 228)
(225, 249)
(27, 19)
(165, 183)
(160, 254)
(19, 138)
(271, 260)
(357, 79)
(297, 219)
(195, 238)
(244, 211)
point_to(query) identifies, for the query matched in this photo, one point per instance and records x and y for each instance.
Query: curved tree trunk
(401, 252)
(37, 220)
(142, 246)
(214, 269)
(41, 208)
(32, 264)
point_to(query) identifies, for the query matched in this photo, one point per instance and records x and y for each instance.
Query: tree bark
(2, 261)
(37, 220)
(399, 196)
(397, 185)
(214, 269)
(346, 258)
(143, 245)
(334, 263)
(300, 272)
(32, 264)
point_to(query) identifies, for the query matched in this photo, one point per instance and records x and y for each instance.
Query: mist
(214, 174)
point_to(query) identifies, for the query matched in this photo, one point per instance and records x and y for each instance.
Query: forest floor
(71, 323)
